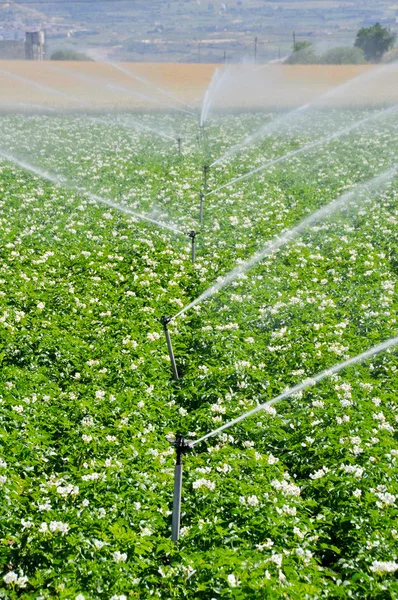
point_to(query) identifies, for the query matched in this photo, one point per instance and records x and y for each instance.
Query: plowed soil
(100, 86)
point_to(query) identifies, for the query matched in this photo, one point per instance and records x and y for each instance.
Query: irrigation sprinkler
(179, 143)
(182, 446)
(192, 234)
(202, 199)
(165, 321)
(206, 170)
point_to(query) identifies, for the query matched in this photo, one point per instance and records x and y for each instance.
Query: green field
(296, 502)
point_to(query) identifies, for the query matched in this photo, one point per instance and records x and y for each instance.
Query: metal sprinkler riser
(179, 143)
(165, 321)
(201, 202)
(206, 170)
(182, 446)
(192, 235)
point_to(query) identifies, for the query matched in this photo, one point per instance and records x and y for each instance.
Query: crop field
(101, 86)
(299, 500)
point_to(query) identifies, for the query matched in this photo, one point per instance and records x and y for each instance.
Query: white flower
(10, 577)
(86, 438)
(119, 556)
(22, 581)
(384, 567)
(26, 524)
(80, 597)
(121, 597)
(287, 489)
(272, 460)
(100, 394)
(320, 473)
(253, 500)
(354, 470)
(232, 580)
(153, 336)
(386, 498)
(268, 544)
(43, 528)
(277, 559)
(357, 493)
(146, 531)
(203, 483)
(41, 305)
(59, 527)
(299, 533)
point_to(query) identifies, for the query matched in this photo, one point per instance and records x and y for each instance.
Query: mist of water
(334, 136)
(304, 385)
(146, 98)
(148, 82)
(349, 198)
(216, 84)
(131, 124)
(120, 88)
(99, 199)
(42, 87)
(285, 119)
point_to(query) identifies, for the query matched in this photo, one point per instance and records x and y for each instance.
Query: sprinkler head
(181, 445)
(192, 234)
(165, 321)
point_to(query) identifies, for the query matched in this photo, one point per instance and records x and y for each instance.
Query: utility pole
(199, 48)
(294, 41)
(255, 49)
(225, 57)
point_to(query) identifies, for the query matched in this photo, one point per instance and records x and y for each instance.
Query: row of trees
(370, 45)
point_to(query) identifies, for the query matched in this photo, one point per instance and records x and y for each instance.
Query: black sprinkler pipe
(202, 199)
(206, 170)
(192, 235)
(182, 446)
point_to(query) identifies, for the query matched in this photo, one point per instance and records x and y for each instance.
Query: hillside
(202, 31)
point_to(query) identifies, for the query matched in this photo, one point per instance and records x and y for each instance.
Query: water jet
(165, 321)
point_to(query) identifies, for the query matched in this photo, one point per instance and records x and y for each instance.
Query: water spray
(182, 446)
(307, 383)
(192, 234)
(165, 321)
(201, 202)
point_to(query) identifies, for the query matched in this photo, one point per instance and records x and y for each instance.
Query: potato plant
(299, 501)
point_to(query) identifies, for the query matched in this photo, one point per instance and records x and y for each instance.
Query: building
(34, 45)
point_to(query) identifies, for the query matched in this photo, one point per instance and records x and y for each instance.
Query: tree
(299, 46)
(375, 41)
(304, 54)
(344, 55)
(69, 55)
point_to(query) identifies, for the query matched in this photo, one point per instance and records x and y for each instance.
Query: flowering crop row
(300, 501)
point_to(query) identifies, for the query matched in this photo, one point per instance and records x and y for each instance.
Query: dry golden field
(97, 86)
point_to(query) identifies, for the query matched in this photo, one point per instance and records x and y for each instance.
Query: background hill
(194, 30)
